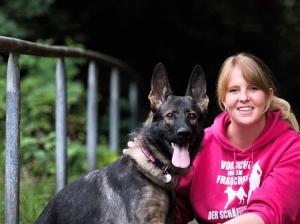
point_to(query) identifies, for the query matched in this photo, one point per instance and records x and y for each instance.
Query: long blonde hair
(256, 72)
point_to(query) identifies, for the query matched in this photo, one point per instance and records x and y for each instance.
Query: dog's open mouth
(181, 156)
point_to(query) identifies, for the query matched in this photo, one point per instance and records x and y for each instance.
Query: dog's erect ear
(197, 88)
(160, 87)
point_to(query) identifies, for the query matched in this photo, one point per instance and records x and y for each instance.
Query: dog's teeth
(173, 145)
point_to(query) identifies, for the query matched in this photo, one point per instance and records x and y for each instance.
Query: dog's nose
(184, 133)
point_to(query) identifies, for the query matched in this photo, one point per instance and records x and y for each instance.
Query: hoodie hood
(274, 127)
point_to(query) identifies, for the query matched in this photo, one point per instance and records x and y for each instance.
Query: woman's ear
(223, 106)
(271, 92)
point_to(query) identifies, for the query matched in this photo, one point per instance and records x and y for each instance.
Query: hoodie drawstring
(234, 163)
(252, 156)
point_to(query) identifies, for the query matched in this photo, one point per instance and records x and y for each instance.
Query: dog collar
(158, 163)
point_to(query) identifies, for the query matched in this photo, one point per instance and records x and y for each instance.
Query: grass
(34, 194)
(35, 191)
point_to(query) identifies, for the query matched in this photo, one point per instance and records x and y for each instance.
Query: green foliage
(38, 110)
(2, 99)
(34, 193)
(26, 9)
(23, 11)
(77, 159)
(11, 28)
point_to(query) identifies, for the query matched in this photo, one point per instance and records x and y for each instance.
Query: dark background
(184, 33)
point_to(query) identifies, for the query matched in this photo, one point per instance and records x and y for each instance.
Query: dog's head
(176, 123)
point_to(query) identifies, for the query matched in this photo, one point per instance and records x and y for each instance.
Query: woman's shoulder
(208, 130)
(290, 137)
(208, 133)
(292, 134)
(209, 139)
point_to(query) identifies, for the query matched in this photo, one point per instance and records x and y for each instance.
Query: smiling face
(245, 102)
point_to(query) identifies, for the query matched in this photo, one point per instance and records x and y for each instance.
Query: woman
(248, 167)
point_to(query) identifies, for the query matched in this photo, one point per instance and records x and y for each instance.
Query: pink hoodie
(225, 182)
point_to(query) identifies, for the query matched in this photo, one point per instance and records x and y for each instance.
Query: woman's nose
(243, 96)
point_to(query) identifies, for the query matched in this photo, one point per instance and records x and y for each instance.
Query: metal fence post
(133, 102)
(60, 125)
(92, 116)
(12, 144)
(114, 117)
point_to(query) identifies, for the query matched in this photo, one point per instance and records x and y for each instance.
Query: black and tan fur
(133, 189)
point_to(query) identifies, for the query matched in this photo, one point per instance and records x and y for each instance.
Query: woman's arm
(247, 218)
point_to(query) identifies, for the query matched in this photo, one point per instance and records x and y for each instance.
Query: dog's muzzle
(184, 136)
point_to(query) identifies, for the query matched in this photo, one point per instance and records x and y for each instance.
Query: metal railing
(17, 47)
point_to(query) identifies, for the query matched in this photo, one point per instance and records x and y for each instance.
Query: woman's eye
(253, 88)
(170, 116)
(232, 90)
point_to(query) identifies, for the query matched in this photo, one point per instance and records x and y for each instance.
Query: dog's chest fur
(153, 207)
(136, 198)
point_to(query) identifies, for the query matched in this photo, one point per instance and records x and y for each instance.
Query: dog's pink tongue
(181, 157)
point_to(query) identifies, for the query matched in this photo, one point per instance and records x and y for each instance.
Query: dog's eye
(192, 116)
(170, 116)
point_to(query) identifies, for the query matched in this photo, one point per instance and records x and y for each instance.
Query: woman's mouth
(245, 108)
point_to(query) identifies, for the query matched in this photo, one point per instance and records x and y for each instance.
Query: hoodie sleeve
(184, 211)
(277, 201)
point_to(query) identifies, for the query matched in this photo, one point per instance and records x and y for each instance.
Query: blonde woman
(247, 171)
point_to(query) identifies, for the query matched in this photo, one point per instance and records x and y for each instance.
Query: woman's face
(245, 103)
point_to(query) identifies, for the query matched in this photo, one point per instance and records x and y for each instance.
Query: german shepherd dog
(139, 187)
